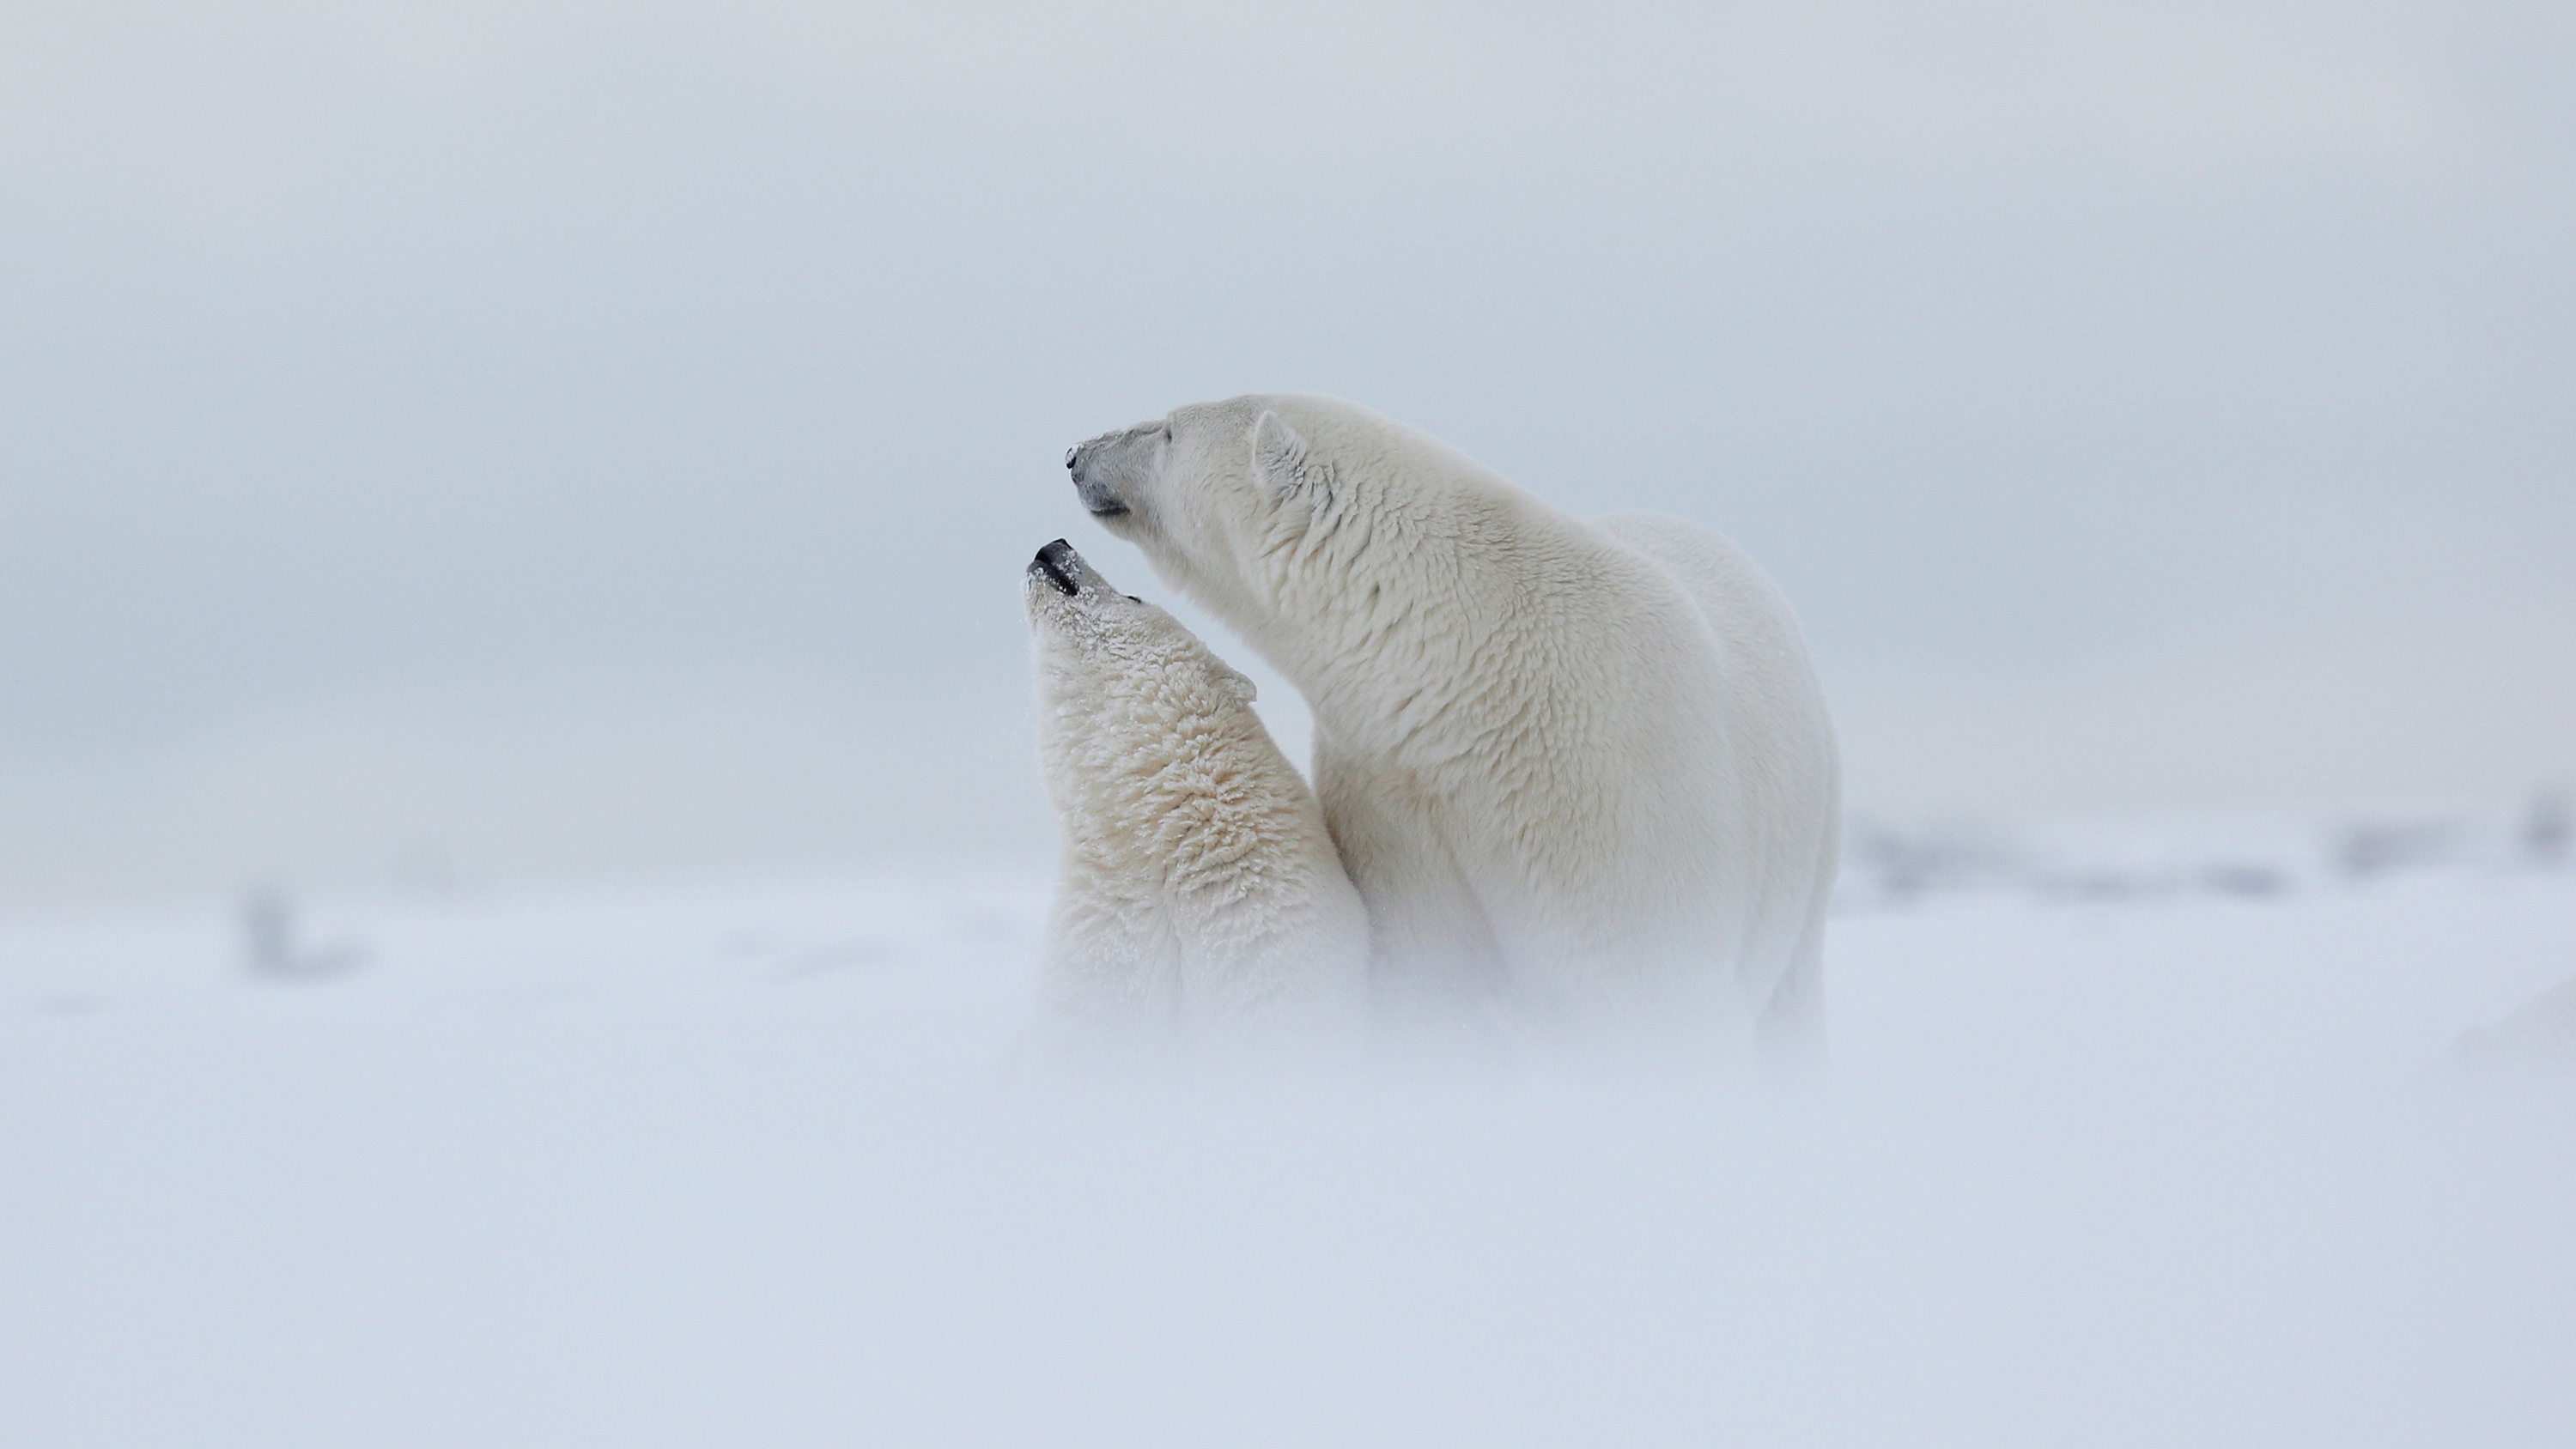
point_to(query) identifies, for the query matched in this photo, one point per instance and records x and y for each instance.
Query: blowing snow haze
(538, 440)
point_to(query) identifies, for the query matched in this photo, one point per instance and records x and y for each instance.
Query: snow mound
(735, 1167)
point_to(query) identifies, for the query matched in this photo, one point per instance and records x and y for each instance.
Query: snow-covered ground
(2151, 1145)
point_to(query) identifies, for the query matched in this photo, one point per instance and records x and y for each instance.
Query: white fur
(1578, 770)
(1200, 898)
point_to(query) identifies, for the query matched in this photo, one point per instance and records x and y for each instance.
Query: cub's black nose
(1058, 562)
(1072, 455)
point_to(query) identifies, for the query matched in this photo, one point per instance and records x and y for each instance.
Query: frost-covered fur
(1201, 900)
(1581, 771)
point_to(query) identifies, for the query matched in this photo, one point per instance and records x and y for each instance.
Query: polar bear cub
(1200, 899)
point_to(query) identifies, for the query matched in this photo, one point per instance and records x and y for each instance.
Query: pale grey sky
(531, 440)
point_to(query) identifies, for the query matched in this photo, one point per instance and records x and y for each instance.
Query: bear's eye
(1167, 430)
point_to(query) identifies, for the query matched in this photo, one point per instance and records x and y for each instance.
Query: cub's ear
(1233, 682)
(1279, 456)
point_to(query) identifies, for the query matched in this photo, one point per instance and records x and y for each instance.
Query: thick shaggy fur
(1580, 771)
(1200, 898)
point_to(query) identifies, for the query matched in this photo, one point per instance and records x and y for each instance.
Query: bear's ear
(1233, 681)
(1279, 456)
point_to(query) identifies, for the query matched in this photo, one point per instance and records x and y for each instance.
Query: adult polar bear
(1579, 771)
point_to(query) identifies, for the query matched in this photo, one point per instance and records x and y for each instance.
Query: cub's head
(1108, 661)
(1221, 495)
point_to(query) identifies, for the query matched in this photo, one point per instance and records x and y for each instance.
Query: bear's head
(1111, 661)
(1228, 499)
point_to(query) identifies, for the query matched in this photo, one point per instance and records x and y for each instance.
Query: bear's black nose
(1058, 562)
(1071, 456)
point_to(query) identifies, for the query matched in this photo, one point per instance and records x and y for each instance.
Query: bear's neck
(1175, 798)
(1381, 627)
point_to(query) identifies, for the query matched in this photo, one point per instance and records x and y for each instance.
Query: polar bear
(1580, 771)
(1200, 900)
